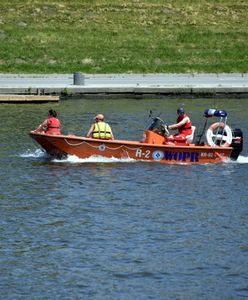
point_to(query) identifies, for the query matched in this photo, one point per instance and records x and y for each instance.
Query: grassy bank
(146, 36)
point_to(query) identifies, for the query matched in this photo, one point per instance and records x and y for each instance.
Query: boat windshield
(157, 125)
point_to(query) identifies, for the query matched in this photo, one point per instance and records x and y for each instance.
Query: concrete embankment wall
(125, 85)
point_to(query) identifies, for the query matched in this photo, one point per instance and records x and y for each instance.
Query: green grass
(123, 36)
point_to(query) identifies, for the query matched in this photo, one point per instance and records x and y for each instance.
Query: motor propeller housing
(237, 143)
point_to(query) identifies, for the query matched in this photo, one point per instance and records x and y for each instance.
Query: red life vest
(53, 126)
(185, 129)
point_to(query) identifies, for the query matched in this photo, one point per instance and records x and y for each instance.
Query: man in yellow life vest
(100, 129)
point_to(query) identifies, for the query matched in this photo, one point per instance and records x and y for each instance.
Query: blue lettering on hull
(182, 156)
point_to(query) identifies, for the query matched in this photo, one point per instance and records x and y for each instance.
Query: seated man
(184, 126)
(51, 125)
(100, 129)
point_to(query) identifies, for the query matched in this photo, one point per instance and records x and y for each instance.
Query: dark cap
(180, 110)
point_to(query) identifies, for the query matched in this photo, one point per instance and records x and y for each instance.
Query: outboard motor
(237, 143)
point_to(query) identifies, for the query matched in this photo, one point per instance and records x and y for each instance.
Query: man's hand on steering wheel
(166, 131)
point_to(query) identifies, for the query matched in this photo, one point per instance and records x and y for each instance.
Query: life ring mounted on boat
(219, 134)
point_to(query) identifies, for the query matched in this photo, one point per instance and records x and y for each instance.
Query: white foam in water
(242, 160)
(38, 153)
(93, 159)
(34, 153)
(101, 159)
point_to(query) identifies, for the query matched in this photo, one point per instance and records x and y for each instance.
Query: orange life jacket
(53, 126)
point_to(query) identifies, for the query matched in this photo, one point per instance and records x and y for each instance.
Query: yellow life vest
(101, 131)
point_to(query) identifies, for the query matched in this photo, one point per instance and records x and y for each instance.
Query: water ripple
(118, 229)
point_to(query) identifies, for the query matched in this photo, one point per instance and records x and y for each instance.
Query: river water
(107, 229)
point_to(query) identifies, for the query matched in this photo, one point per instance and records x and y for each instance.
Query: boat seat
(189, 138)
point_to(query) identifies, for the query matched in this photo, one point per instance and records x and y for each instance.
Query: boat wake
(93, 159)
(242, 159)
(38, 153)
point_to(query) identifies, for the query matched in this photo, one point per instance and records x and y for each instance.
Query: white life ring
(213, 136)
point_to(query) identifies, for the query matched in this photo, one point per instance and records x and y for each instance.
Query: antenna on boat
(149, 117)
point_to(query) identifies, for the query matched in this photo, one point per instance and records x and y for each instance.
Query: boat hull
(62, 145)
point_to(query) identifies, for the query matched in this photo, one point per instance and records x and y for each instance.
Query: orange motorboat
(157, 145)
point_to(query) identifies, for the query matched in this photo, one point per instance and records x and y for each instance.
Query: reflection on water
(119, 229)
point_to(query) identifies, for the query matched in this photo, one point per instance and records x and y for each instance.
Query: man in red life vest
(51, 125)
(184, 125)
